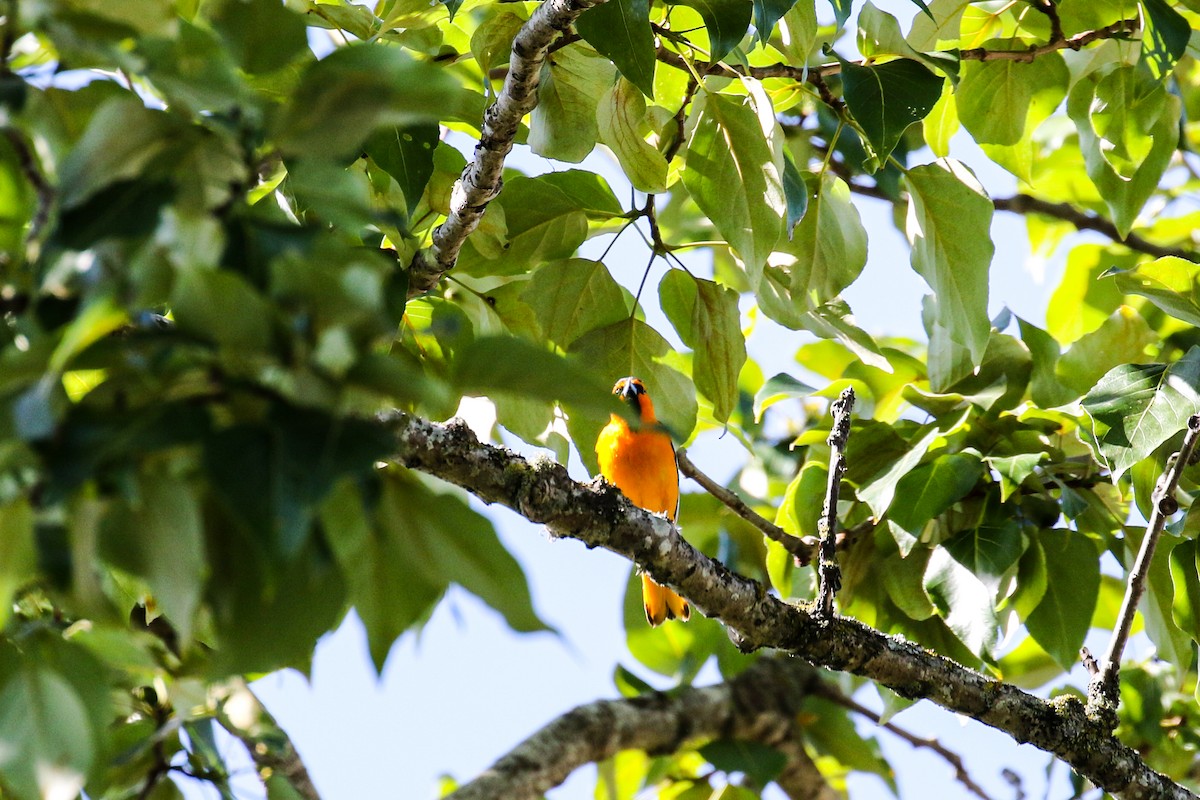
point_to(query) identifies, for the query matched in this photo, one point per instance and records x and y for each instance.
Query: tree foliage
(217, 224)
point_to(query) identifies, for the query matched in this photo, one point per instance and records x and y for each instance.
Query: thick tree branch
(758, 705)
(481, 181)
(1105, 686)
(242, 714)
(597, 515)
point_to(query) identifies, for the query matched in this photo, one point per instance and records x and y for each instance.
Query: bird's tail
(661, 603)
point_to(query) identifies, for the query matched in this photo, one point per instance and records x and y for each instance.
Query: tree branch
(829, 575)
(1104, 688)
(759, 705)
(481, 181)
(1124, 27)
(597, 515)
(242, 714)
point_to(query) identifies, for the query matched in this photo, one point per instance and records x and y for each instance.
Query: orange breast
(641, 464)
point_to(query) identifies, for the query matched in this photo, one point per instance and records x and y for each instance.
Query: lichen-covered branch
(599, 516)
(480, 181)
(758, 705)
(829, 574)
(242, 714)
(1105, 687)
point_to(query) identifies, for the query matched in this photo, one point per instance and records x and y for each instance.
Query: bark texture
(481, 181)
(760, 705)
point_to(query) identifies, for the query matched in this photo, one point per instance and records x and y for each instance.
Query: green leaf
(781, 386)
(963, 600)
(161, 538)
(46, 745)
(407, 155)
(1001, 102)
(1185, 579)
(886, 98)
(544, 223)
(932, 488)
(574, 296)
(831, 320)
(1170, 282)
(726, 20)
(1165, 39)
(517, 366)
(941, 123)
(1061, 619)
(949, 225)
(766, 14)
(563, 125)
(1122, 339)
(733, 171)
(841, 10)
(1137, 407)
(222, 307)
(1116, 113)
(795, 193)
(345, 96)
(1014, 470)
(833, 733)
(991, 548)
(829, 245)
(879, 492)
(760, 763)
(1157, 607)
(1045, 388)
(261, 34)
(706, 317)
(675, 649)
(620, 30)
(622, 122)
(18, 553)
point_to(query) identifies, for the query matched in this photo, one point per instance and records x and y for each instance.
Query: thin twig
(1048, 8)
(1124, 27)
(828, 572)
(802, 551)
(830, 692)
(1104, 688)
(1027, 204)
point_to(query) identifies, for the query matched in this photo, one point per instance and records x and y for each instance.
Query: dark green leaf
(931, 488)
(963, 600)
(620, 30)
(886, 98)
(767, 13)
(1137, 407)
(573, 297)
(795, 192)
(345, 96)
(517, 366)
(841, 10)
(760, 763)
(407, 155)
(1061, 619)
(727, 22)
(262, 35)
(1165, 39)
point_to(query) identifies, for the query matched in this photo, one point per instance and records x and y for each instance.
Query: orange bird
(641, 463)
